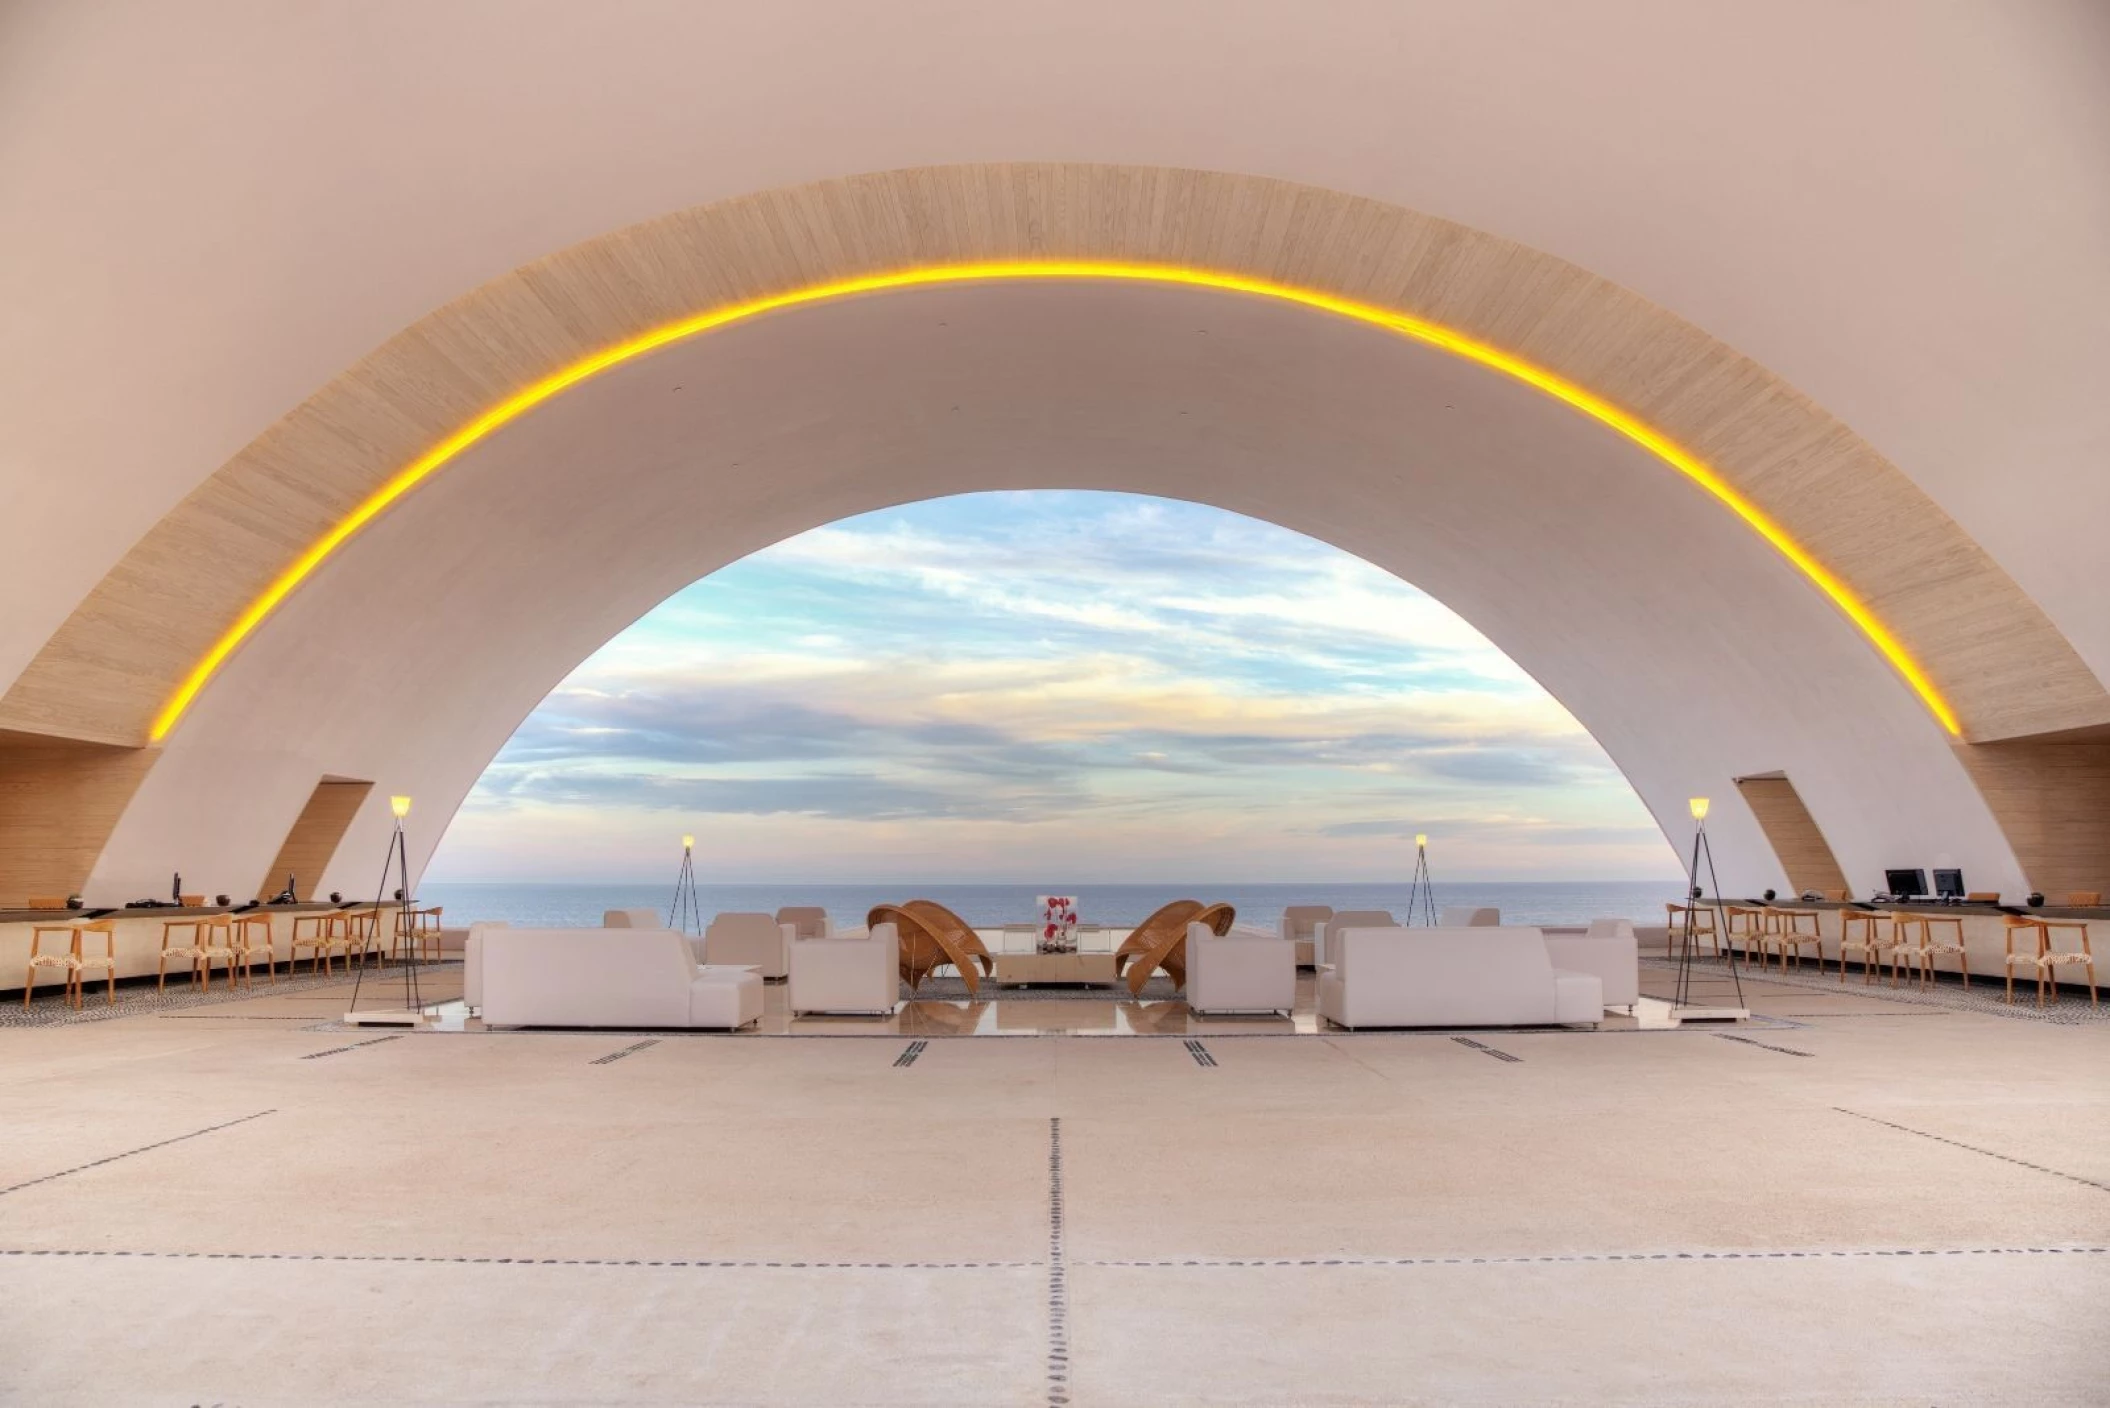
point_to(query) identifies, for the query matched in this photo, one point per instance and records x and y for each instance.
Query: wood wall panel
(59, 802)
(2052, 799)
(312, 842)
(1793, 833)
(2001, 663)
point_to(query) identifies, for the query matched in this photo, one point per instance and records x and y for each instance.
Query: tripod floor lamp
(1421, 895)
(411, 1011)
(1686, 1006)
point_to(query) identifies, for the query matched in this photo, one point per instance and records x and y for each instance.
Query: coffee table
(1019, 962)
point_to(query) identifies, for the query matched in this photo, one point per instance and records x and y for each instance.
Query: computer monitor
(1948, 884)
(1905, 884)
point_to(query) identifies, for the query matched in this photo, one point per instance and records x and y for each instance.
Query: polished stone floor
(1856, 1198)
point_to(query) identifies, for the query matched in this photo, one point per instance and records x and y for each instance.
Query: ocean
(571, 906)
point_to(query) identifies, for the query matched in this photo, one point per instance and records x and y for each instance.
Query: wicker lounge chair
(1161, 942)
(931, 936)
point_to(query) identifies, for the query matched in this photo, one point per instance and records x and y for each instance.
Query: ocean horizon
(576, 905)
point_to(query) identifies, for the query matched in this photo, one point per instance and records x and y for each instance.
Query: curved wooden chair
(1161, 942)
(932, 936)
(1152, 932)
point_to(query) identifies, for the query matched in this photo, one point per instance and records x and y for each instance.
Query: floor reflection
(1045, 1012)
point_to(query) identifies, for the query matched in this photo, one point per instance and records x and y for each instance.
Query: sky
(1059, 687)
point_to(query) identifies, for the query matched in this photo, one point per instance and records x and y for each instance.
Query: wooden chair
(1702, 927)
(2056, 955)
(358, 931)
(75, 960)
(252, 935)
(1791, 934)
(216, 938)
(46, 902)
(191, 901)
(1931, 948)
(415, 929)
(1900, 940)
(1868, 942)
(321, 938)
(2018, 924)
(1160, 942)
(931, 937)
(1982, 897)
(1155, 931)
(1747, 925)
(193, 950)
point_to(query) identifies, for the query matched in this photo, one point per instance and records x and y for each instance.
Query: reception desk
(1984, 928)
(138, 937)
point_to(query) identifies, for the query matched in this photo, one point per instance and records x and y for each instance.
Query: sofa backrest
(1298, 920)
(1611, 929)
(1466, 916)
(744, 926)
(1360, 919)
(1470, 954)
(808, 921)
(588, 976)
(632, 919)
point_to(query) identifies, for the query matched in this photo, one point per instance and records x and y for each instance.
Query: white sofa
(1469, 977)
(1609, 949)
(1300, 926)
(473, 963)
(1465, 916)
(1322, 936)
(806, 921)
(1239, 972)
(860, 974)
(751, 940)
(633, 919)
(609, 978)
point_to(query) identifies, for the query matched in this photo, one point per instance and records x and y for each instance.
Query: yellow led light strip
(1419, 330)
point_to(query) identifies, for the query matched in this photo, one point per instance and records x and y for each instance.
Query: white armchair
(806, 921)
(633, 919)
(847, 974)
(1322, 936)
(1465, 916)
(1609, 949)
(1300, 926)
(752, 940)
(1239, 972)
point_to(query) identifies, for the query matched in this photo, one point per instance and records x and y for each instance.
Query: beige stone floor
(240, 1203)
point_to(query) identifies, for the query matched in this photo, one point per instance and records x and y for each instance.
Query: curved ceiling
(1684, 643)
(1942, 610)
(209, 213)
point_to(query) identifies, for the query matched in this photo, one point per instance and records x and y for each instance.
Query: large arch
(112, 668)
(1985, 649)
(1682, 640)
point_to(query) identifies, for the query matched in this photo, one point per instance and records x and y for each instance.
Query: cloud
(1098, 673)
(1528, 831)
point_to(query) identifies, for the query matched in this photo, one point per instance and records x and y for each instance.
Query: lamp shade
(1699, 809)
(688, 843)
(1421, 838)
(400, 806)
